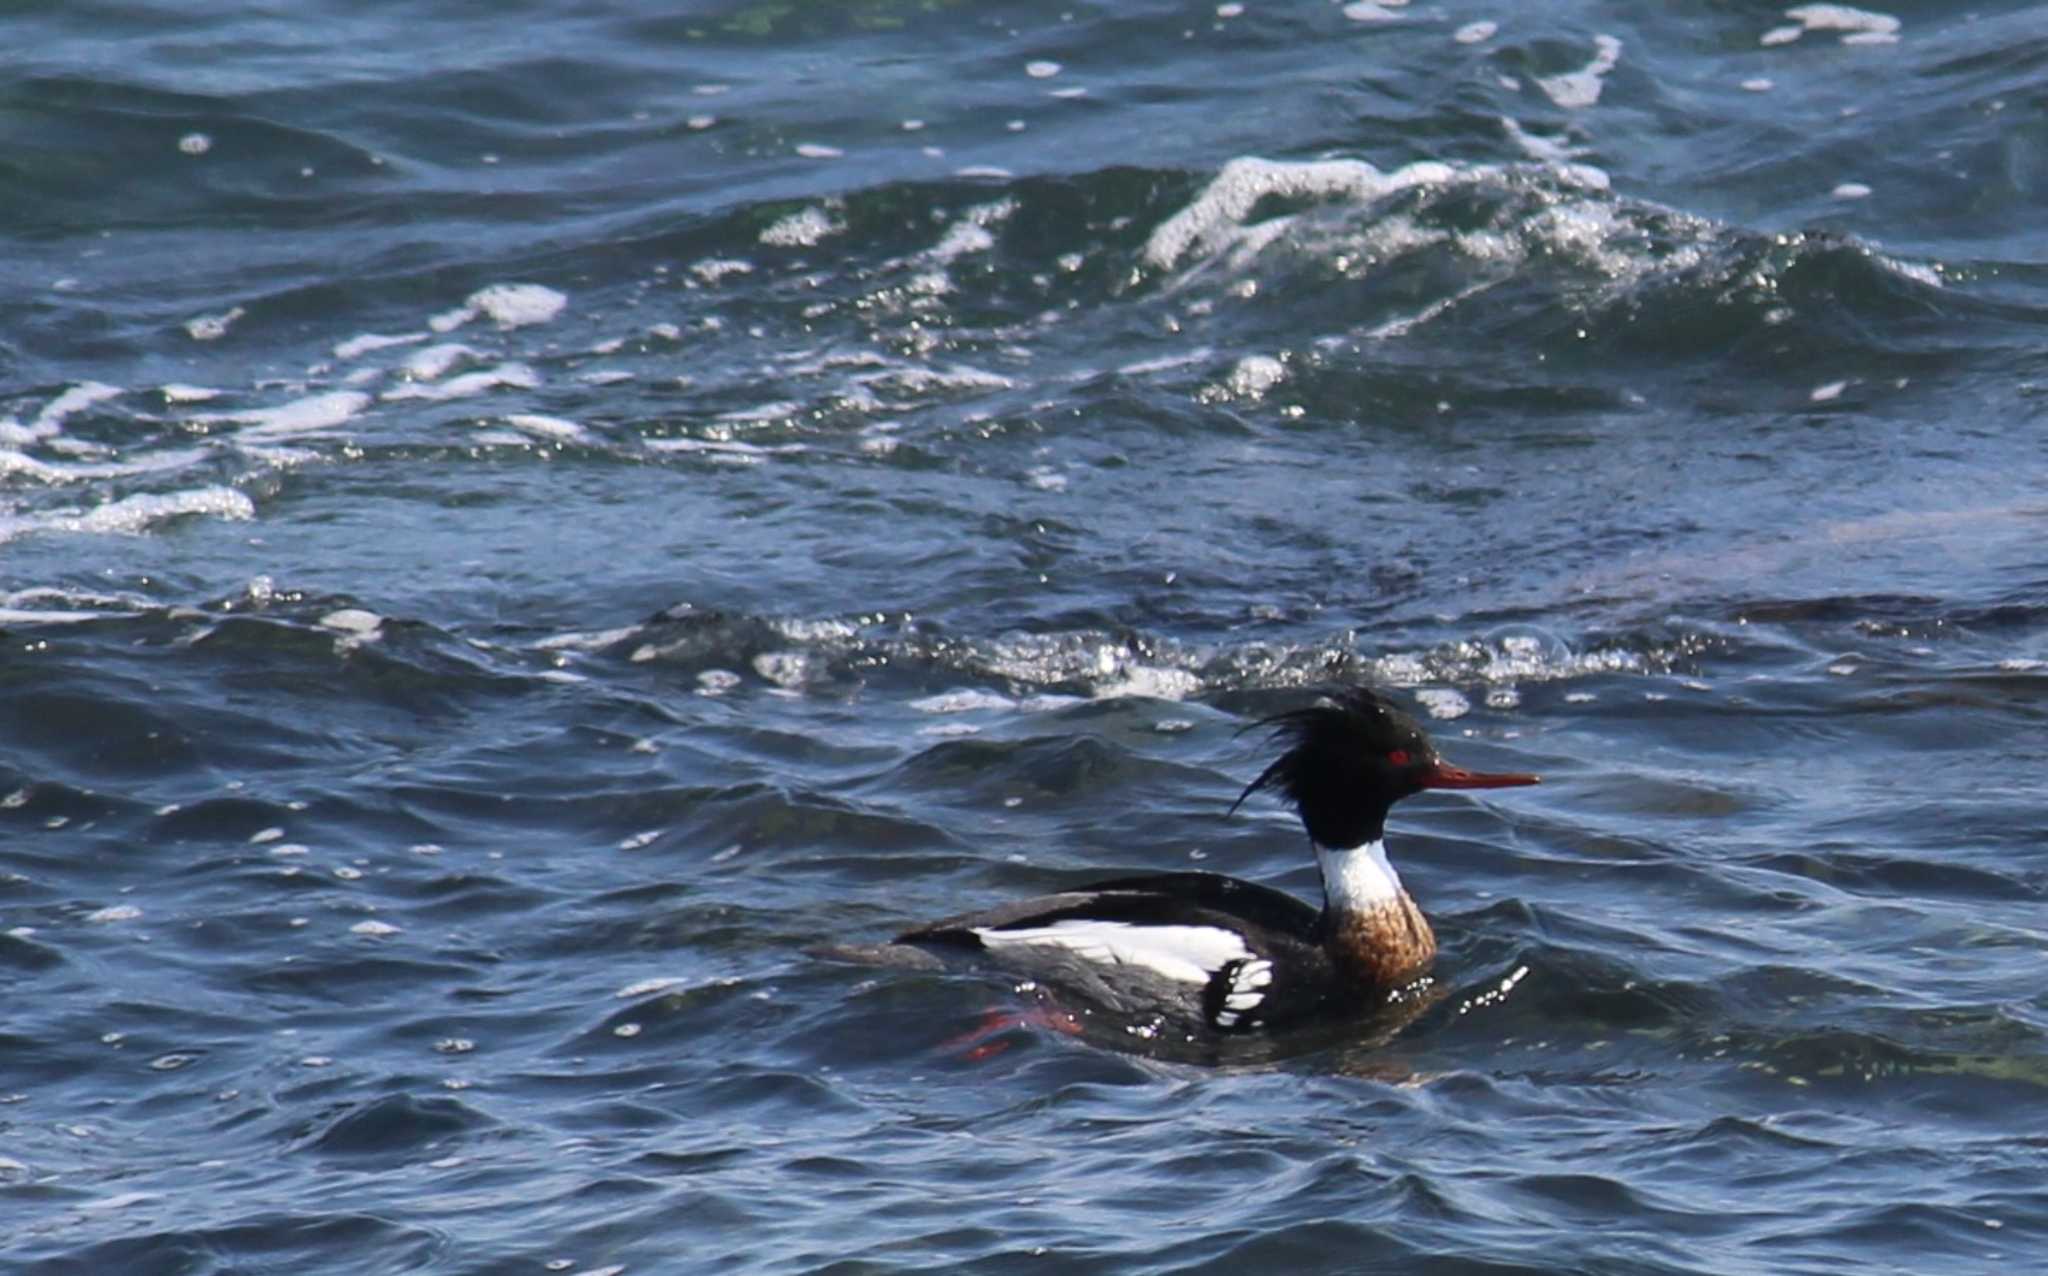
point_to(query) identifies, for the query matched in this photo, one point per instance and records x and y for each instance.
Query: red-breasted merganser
(1204, 950)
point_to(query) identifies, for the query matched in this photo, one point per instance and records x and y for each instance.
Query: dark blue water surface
(516, 522)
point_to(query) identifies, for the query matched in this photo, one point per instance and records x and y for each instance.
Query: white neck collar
(1358, 879)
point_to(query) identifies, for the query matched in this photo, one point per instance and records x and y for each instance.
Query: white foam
(552, 427)
(509, 305)
(923, 381)
(76, 399)
(353, 620)
(586, 641)
(962, 702)
(803, 229)
(1254, 375)
(1046, 478)
(1578, 89)
(1475, 32)
(1918, 272)
(56, 472)
(1860, 26)
(1442, 702)
(788, 669)
(300, 416)
(1851, 190)
(16, 616)
(1166, 362)
(212, 327)
(114, 913)
(716, 682)
(179, 393)
(713, 269)
(818, 150)
(434, 362)
(356, 347)
(730, 451)
(136, 513)
(519, 305)
(1215, 217)
(1535, 145)
(1150, 682)
(960, 239)
(374, 929)
(519, 376)
(970, 233)
(1041, 70)
(1368, 11)
(659, 983)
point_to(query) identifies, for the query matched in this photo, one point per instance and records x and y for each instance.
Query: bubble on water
(1041, 70)
(373, 928)
(195, 144)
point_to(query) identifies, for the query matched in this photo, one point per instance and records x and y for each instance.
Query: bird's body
(1220, 955)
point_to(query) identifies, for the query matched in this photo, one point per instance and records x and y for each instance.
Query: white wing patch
(1248, 984)
(1190, 954)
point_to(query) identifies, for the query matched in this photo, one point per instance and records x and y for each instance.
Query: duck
(1213, 954)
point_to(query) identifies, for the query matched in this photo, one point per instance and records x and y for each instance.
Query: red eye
(1399, 757)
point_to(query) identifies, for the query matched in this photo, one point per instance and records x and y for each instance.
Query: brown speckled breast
(1384, 948)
